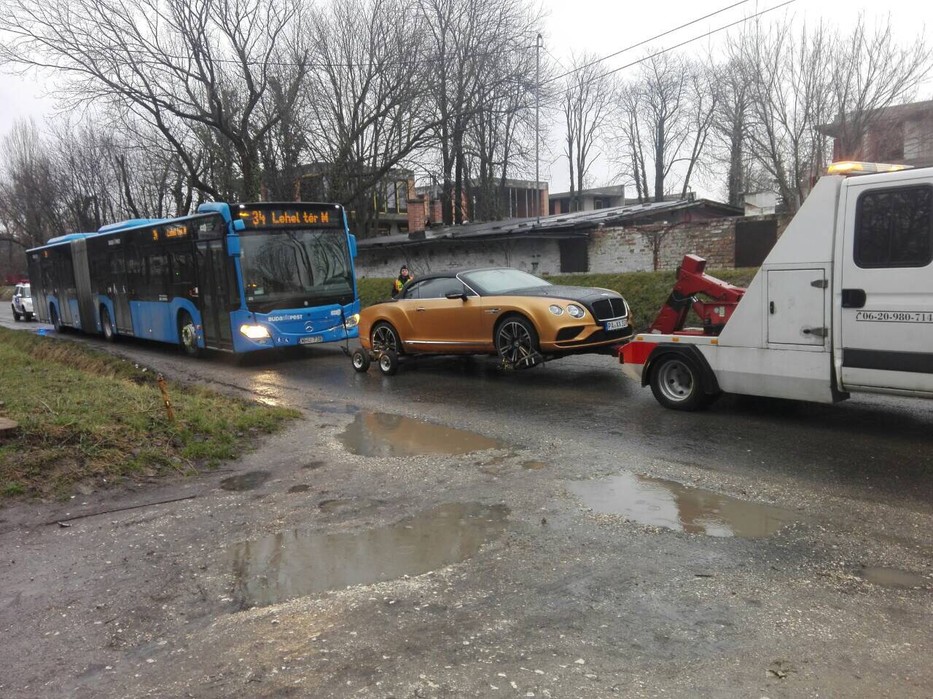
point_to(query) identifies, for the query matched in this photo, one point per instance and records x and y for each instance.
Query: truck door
(886, 313)
(796, 310)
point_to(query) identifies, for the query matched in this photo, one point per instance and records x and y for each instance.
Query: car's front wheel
(384, 338)
(517, 343)
(16, 316)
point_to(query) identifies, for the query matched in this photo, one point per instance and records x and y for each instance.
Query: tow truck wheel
(360, 360)
(676, 384)
(388, 363)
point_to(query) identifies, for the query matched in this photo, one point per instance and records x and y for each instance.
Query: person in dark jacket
(404, 276)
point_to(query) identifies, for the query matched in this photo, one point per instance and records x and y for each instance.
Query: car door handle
(420, 309)
(853, 298)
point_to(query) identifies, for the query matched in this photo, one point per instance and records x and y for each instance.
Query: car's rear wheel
(384, 338)
(16, 316)
(517, 343)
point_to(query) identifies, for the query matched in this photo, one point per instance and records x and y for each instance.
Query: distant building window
(894, 227)
(599, 203)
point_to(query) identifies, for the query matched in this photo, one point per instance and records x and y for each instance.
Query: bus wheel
(107, 326)
(360, 360)
(188, 334)
(56, 321)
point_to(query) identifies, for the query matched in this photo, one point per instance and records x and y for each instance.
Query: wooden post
(165, 399)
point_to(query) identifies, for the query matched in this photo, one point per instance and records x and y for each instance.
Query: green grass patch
(85, 416)
(645, 292)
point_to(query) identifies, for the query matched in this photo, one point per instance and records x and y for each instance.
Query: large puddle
(663, 503)
(385, 434)
(892, 577)
(295, 563)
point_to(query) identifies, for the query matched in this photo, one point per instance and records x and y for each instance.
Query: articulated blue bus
(233, 277)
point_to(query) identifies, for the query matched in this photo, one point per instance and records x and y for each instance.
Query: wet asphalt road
(858, 475)
(870, 447)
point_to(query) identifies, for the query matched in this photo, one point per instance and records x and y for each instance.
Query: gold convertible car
(521, 318)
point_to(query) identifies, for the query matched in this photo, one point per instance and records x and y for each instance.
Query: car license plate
(615, 324)
(313, 339)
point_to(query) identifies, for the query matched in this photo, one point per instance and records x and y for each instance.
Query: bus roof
(130, 223)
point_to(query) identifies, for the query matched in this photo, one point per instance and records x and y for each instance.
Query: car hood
(583, 294)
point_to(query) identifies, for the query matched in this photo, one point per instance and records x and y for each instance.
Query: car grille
(604, 309)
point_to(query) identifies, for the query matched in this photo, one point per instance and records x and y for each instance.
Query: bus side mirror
(233, 245)
(239, 225)
(352, 245)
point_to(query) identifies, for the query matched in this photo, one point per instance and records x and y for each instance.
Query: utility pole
(537, 132)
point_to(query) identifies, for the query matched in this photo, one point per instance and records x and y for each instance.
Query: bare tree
(869, 73)
(31, 201)
(588, 100)
(181, 66)
(812, 82)
(367, 99)
(468, 43)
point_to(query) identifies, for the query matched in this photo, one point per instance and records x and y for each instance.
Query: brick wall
(634, 249)
(611, 250)
(536, 256)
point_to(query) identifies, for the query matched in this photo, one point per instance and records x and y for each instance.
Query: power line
(646, 41)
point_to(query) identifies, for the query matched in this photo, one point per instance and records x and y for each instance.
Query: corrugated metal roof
(569, 225)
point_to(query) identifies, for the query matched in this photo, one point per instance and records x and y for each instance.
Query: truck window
(894, 227)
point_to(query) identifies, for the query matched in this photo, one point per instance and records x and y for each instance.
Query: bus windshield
(296, 267)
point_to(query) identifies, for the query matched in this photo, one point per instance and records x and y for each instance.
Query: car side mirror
(456, 295)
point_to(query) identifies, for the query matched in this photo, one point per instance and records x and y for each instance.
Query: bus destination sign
(297, 216)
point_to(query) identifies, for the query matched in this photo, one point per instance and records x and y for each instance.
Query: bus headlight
(352, 321)
(254, 332)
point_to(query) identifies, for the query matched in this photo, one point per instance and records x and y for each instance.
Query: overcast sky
(600, 27)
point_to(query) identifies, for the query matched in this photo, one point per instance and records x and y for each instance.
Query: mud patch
(313, 465)
(245, 481)
(300, 488)
(892, 577)
(662, 503)
(384, 434)
(295, 563)
(533, 465)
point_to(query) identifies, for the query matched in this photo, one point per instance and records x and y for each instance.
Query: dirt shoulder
(558, 602)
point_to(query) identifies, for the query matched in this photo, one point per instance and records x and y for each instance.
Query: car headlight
(575, 311)
(352, 321)
(556, 310)
(254, 332)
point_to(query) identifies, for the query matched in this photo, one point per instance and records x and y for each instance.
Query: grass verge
(87, 417)
(645, 292)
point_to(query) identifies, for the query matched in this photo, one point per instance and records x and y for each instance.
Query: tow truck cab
(843, 303)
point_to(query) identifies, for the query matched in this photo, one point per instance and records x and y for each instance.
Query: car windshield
(501, 281)
(294, 268)
(25, 291)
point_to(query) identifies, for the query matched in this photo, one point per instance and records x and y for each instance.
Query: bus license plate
(311, 340)
(615, 324)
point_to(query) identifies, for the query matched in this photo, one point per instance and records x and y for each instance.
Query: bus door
(213, 293)
(118, 292)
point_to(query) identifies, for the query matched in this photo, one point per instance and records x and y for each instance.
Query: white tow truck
(843, 303)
